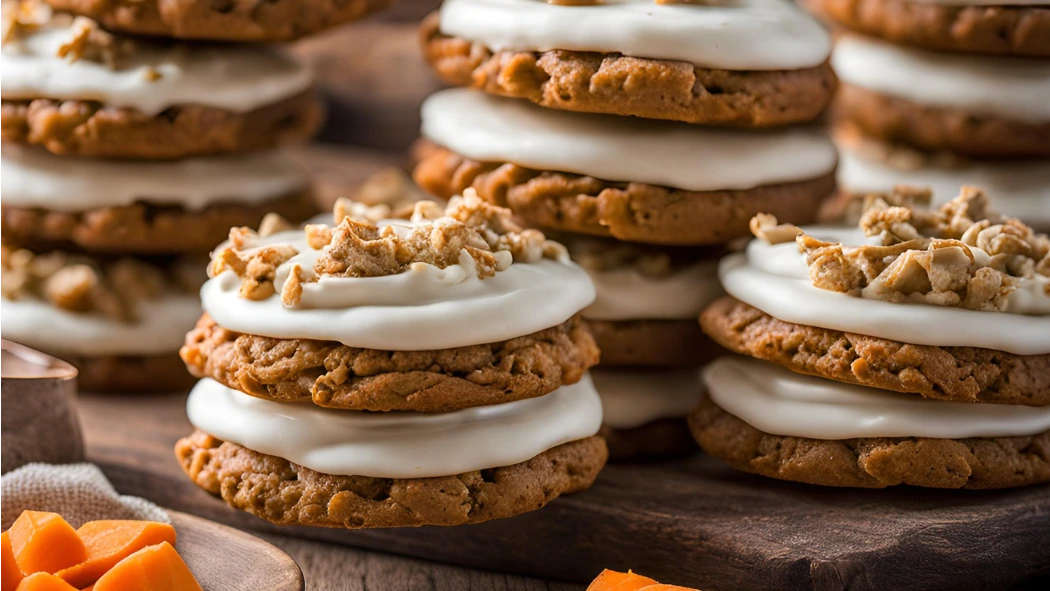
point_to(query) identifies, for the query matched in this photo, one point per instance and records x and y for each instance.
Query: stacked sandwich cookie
(946, 93)
(649, 134)
(460, 321)
(915, 350)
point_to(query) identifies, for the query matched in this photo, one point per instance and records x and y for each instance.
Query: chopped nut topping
(22, 17)
(962, 254)
(273, 223)
(765, 226)
(90, 42)
(80, 284)
(575, 2)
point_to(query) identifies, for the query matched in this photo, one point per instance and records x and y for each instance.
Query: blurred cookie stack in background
(126, 159)
(647, 134)
(943, 94)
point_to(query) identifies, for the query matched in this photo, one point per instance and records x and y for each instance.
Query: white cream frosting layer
(627, 294)
(773, 399)
(690, 157)
(36, 178)
(1020, 189)
(420, 309)
(1009, 87)
(632, 398)
(401, 444)
(732, 34)
(40, 325)
(775, 279)
(231, 77)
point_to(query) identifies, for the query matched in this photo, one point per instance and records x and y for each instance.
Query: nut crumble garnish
(575, 2)
(765, 226)
(90, 42)
(962, 254)
(22, 17)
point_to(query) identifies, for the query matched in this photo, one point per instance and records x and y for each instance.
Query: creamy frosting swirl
(632, 398)
(231, 77)
(773, 399)
(397, 445)
(732, 35)
(627, 294)
(775, 279)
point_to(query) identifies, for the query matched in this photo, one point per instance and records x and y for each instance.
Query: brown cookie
(222, 20)
(935, 129)
(1004, 30)
(336, 376)
(961, 374)
(89, 128)
(142, 228)
(660, 439)
(131, 374)
(653, 343)
(288, 494)
(620, 85)
(874, 462)
(628, 211)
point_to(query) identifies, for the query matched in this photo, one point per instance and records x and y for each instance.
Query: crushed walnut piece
(575, 2)
(962, 254)
(90, 42)
(22, 17)
(766, 227)
(112, 288)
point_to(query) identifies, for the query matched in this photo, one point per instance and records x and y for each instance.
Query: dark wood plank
(692, 522)
(223, 558)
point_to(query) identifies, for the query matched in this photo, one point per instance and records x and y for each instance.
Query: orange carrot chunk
(44, 582)
(667, 588)
(110, 541)
(155, 568)
(12, 575)
(611, 580)
(44, 542)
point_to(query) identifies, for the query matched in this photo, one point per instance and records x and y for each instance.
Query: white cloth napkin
(78, 492)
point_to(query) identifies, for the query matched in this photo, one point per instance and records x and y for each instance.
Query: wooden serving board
(690, 522)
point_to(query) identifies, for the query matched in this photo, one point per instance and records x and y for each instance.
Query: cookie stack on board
(125, 158)
(943, 94)
(390, 372)
(914, 350)
(648, 133)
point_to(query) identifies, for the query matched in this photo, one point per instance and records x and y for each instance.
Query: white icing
(35, 178)
(632, 398)
(40, 325)
(690, 157)
(1020, 189)
(231, 77)
(731, 34)
(627, 294)
(1010, 87)
(420, 309)
(775, 279)
(773, 399)
(397, 445)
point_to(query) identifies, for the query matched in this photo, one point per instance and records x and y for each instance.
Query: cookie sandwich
(915, 350)
(421, 371)
(748, 63)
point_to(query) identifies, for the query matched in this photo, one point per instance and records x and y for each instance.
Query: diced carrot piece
(110, 541)
(611, 580)
(44, 542)
(12, 575)
(667, 588)
(44, 582)
(155, 568)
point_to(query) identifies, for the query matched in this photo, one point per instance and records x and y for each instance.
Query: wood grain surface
(226, 559)
(692, 522)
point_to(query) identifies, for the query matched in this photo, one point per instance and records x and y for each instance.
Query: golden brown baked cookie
(627, 211)
(873, 462)
(143, 228)
(935, 129)
(222, 20)
(336, 376)
(660, 439)
(89, 128)
(621, 85)
(288, 494)
(961, 374)
(653, 343)
(1005, 30)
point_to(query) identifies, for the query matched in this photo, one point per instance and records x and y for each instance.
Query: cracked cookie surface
(980, 463)
(622, 85)
(961, 374)
(336, 376)
(288, 494)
